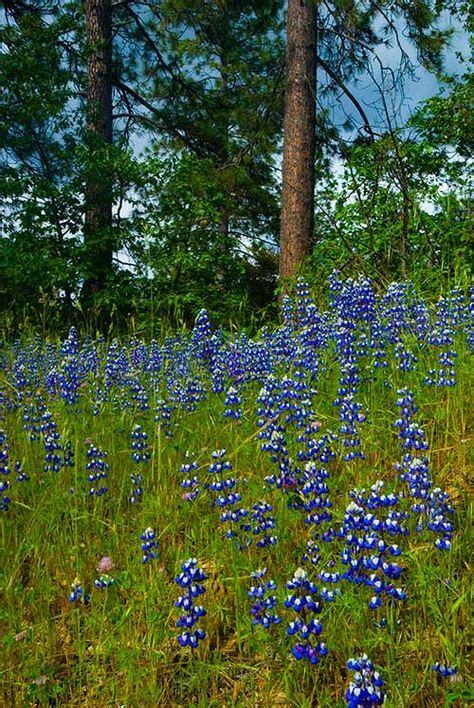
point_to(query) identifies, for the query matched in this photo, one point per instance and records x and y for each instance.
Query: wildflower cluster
(305, 628)
(233, 403)
(4, 473)
(263, 609)
(367, 555)
(149, 546)
(355, 545)
(190, 483)
(77, 593)
(444, 670)
(365, 688)
(190, 579)
(97, 469)
(139, 445)
(430, 504)
(136, 493)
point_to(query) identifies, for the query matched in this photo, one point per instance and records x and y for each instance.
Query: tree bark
(98, 189)
(297, 200)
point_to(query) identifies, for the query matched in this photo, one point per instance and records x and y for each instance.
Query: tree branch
(349, 94)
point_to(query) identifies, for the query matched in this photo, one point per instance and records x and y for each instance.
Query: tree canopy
(175, 203)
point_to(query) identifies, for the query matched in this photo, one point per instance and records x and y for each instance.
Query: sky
(421, 86)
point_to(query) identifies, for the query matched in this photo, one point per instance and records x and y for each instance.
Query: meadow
(216, 519)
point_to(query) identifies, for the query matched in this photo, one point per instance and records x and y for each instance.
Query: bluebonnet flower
(328, 595)
(191, 484)
(225, 497)
(218, 370)
(52, 455)
(445, 375)
(4, 472)
(233, 402)
(117, 365)
(444, 670)
(32, 418)
(406, 360)
(139, 396)
(263, 609)
(136, 494)
(470, 320)
(190, 579)
(451, 314)
(305, 627)
(103, 582)
(149, 546)
(68, 375)
(201, 335)
(220, 463)
(20, 474)
(77, 593)
(378, 345)
(402, 312)
(313, 494)
(288, 312)
(67, 454)
(350, 416)
(316, 447)
(139, 445)
(312, 553)
(97, 469)
(52, 443)
(365, 688)
(438, 518)
(367, 556)
(262, 523)
(163, 417)
(432, 504)
(303, 301)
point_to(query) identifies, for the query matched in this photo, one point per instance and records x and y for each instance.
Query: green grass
(121, 650)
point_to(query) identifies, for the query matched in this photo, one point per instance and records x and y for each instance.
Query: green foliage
(38, 175)
(410, 184)
(192, 254)
(196, 222)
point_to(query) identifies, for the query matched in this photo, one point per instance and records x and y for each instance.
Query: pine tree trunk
(223, 224)
(98, 189)
(297, 201)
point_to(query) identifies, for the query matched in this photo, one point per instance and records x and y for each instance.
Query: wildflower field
(219, 520)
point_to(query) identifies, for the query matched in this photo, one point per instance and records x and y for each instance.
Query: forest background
(137, 206)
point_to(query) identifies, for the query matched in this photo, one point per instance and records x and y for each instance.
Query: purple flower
(105, 565)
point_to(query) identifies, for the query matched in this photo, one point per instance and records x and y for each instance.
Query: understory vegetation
(147, 485)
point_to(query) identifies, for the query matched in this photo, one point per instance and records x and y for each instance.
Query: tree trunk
(297, 200)
(98, 189)
(223, 225)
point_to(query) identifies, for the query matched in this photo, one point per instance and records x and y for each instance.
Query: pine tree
(297, 198)
(348, 35)
(98, 242)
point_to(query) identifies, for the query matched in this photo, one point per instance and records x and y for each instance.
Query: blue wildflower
(190, 579)
(365, 688)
